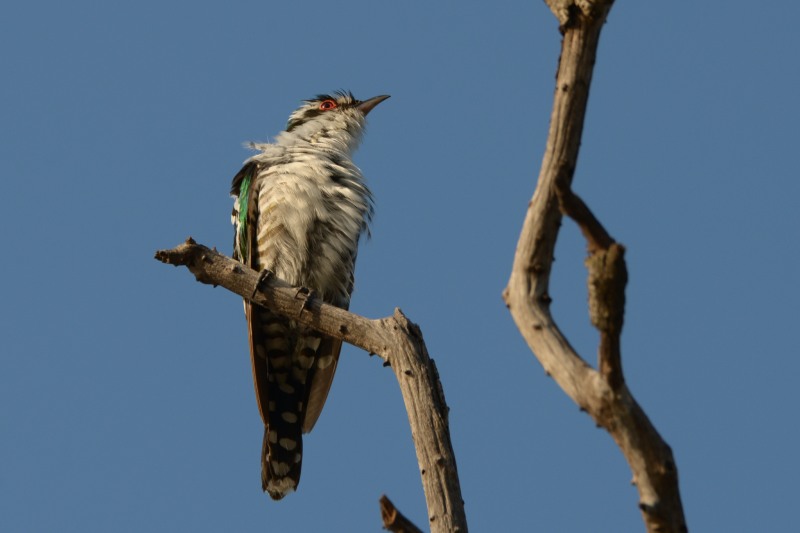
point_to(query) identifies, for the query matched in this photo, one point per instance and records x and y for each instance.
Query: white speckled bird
(300, 206)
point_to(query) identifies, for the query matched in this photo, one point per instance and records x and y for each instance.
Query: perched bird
(300, 206)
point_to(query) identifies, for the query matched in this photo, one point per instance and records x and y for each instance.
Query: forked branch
(397, 340)
(603, 394)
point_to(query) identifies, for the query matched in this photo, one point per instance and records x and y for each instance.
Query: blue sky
(126, 402)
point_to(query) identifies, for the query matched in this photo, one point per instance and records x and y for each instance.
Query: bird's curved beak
(367, 105)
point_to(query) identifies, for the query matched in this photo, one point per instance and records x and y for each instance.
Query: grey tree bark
(602, 393)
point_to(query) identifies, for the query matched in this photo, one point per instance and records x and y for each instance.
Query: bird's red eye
(327, 104)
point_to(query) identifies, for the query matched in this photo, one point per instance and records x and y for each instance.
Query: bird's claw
(305, 294)
(263, 277)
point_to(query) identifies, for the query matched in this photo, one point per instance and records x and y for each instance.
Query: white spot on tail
(275, 328)
(289, 417)
(280, 469)
(312, 342)
(281, 487)
(300, 375)
(289, 444)
(281, 362)
(304, 361)
(272, 436)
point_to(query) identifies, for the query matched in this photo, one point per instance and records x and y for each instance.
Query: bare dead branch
(604, 394)
(395, 339)
(570, 204)
(608, 276)
(393, 520)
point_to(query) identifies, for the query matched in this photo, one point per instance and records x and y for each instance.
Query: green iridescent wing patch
(240, 188)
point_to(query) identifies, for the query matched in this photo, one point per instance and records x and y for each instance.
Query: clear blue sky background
(126, 401)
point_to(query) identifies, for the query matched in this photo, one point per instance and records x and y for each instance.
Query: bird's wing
(244, 211)
(327, 360)
(245, 214)
(321, 379)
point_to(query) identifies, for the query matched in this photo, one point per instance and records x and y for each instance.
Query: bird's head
(339, 117)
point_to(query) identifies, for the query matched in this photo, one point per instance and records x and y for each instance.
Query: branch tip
(393, 520)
